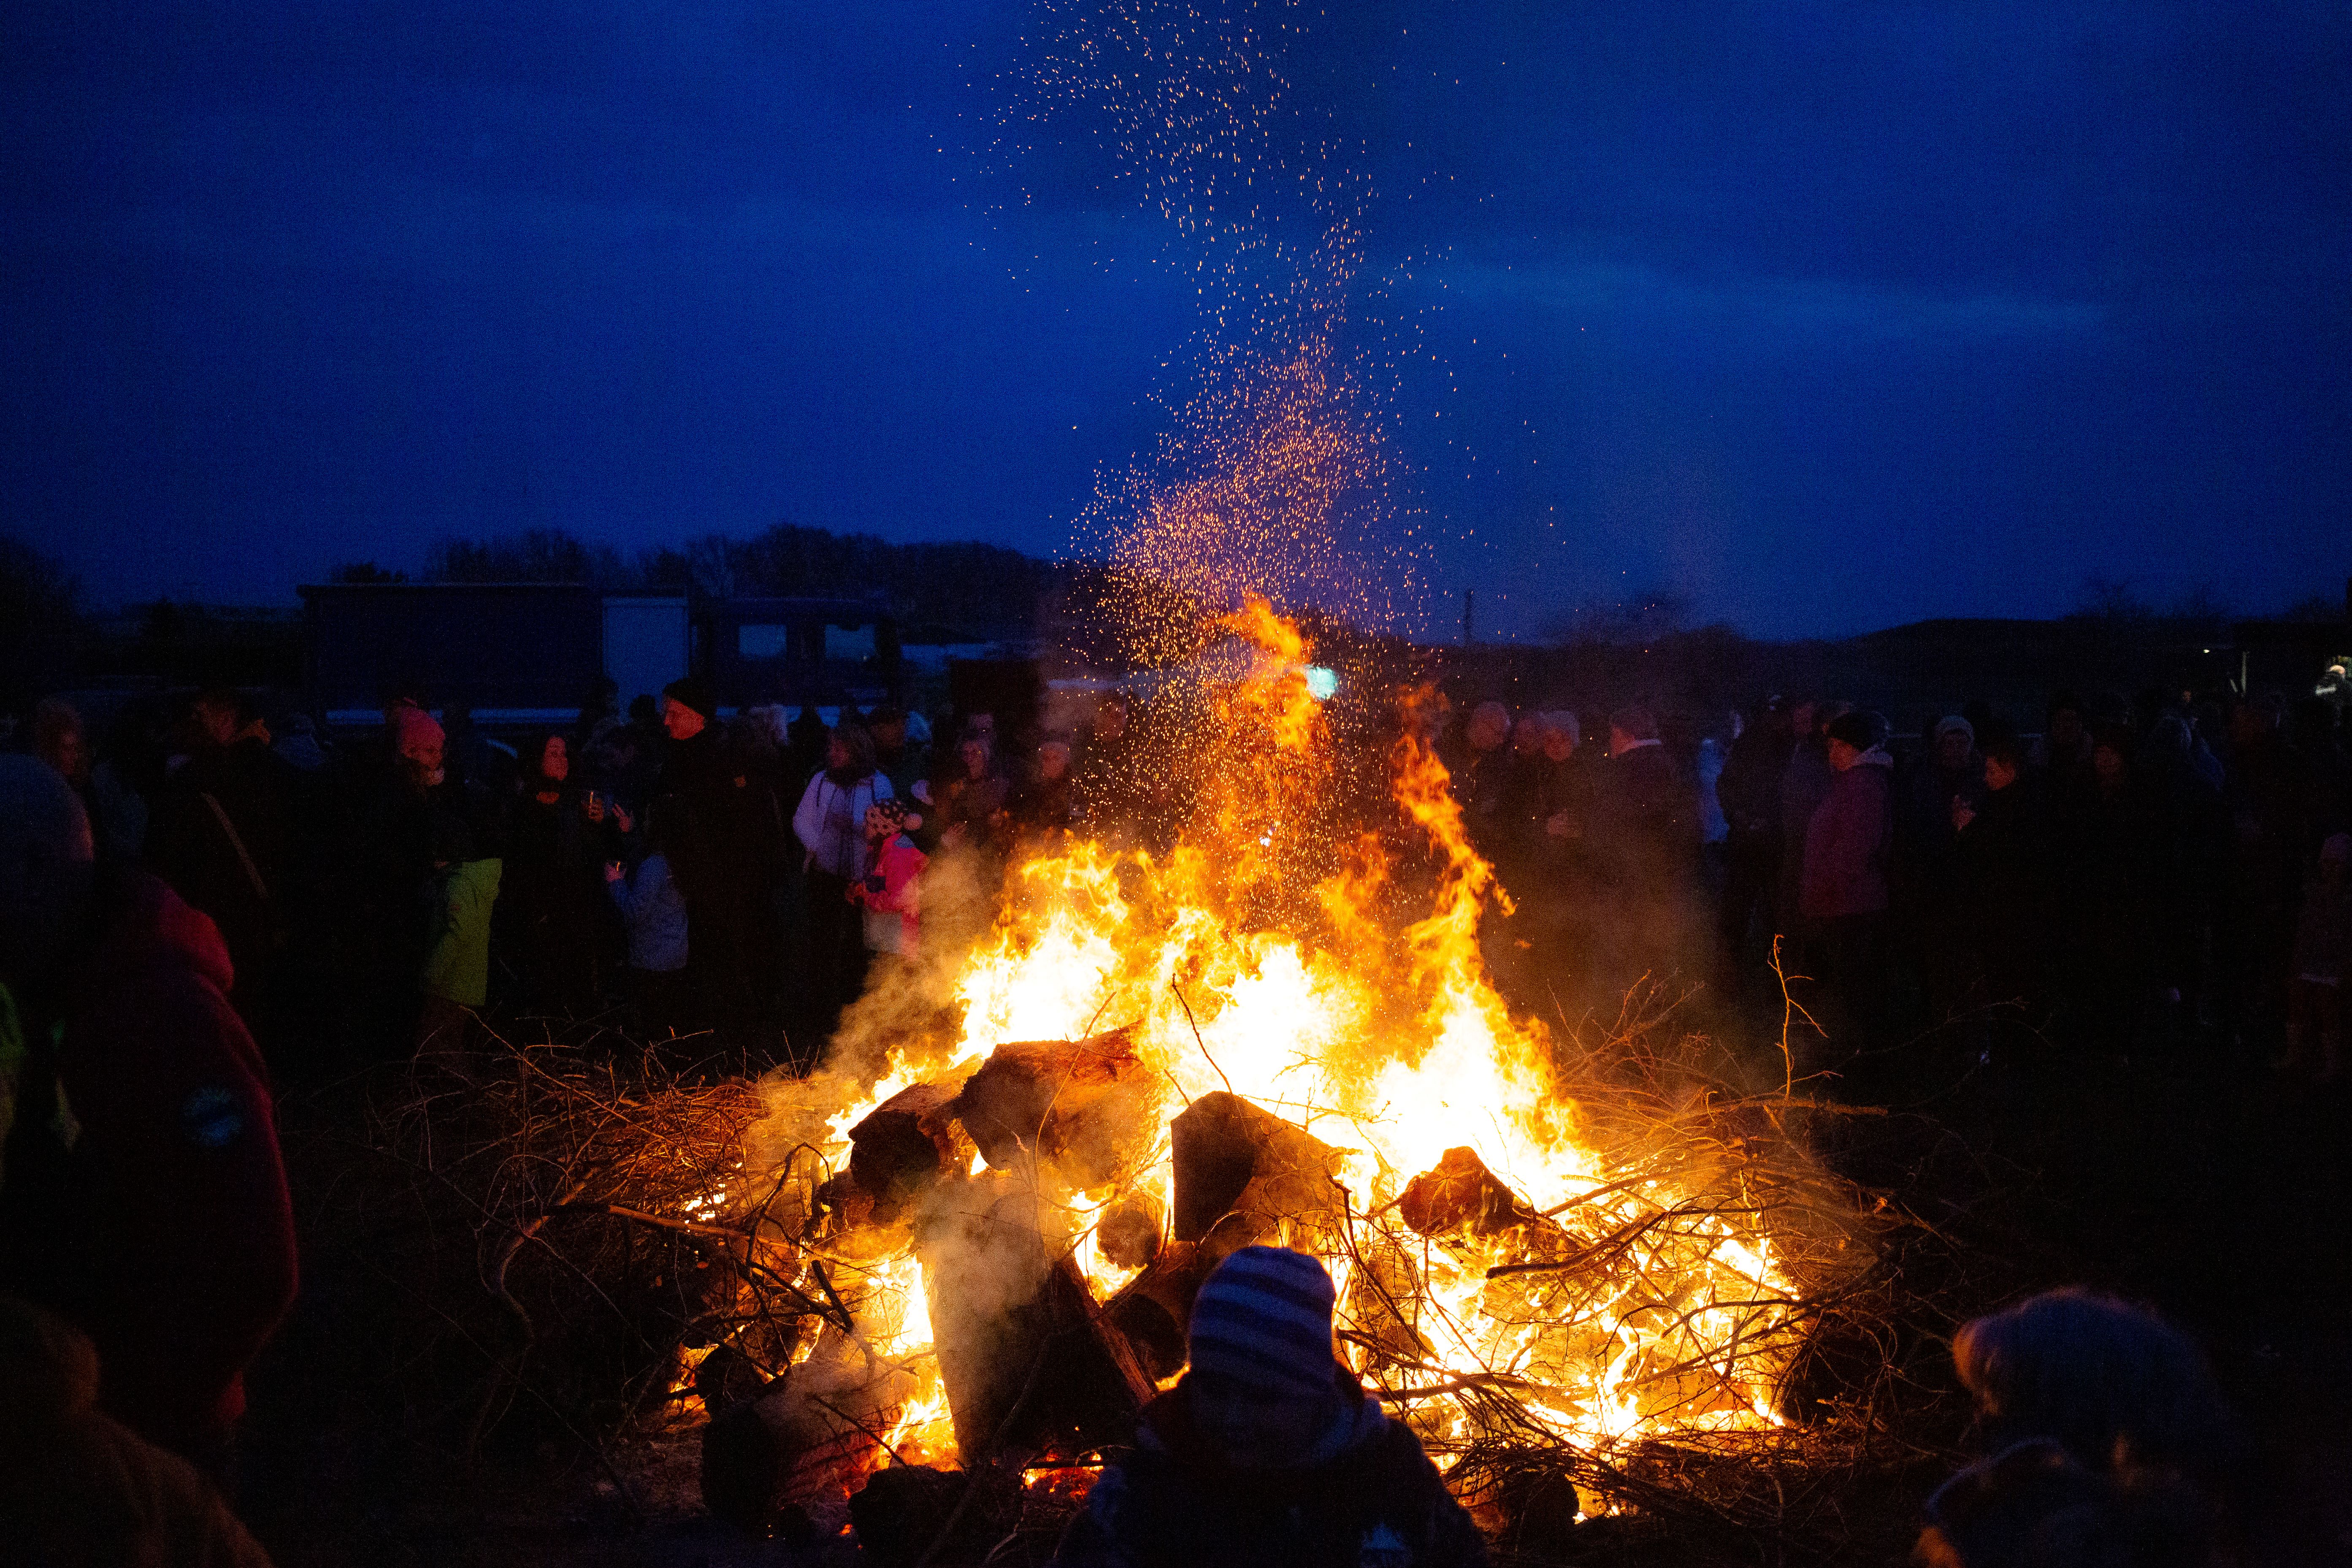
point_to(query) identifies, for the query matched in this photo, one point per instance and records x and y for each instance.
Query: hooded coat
(1374, 1500)
(162, 1228)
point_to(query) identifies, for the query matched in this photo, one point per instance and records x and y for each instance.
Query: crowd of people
(675, 873)
(2173, 873)
(189, 910)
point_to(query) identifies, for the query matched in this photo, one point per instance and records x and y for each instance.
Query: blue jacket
(654, 911)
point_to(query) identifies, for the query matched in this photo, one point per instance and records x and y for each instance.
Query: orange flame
(1389, 1042)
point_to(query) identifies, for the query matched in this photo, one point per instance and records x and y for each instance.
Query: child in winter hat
(890, 891)
(1270, 1451)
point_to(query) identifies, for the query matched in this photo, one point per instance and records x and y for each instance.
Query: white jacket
(830, 822)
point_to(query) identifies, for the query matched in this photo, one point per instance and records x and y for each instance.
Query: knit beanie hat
(894, 813)
(1263, 1319)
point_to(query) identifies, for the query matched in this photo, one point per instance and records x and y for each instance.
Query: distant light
(1321, 681)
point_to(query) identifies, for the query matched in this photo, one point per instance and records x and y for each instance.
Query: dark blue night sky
(1822, 317)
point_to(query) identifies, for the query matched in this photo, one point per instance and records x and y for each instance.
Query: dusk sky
(1823, 318)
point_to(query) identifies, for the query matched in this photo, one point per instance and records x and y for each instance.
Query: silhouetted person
(1803, 786)
(2003, 850)
(972, 799)
(660, 947)
(726, 828)
(1481, 769)
(1269, 1454)
(143, 1198)
(1750, 793)
(550, 904)
(1931, 896)
(224, 834)
(1844, 894)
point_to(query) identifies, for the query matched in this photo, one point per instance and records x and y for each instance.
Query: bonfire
(1000, 1196)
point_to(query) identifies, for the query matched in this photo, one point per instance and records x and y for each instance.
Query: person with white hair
(144, 1198)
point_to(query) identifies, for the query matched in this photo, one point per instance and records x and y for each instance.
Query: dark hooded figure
(223, 834)
(727, 843)
(142, 1196)
(2108, 1441)
(1269, 1454)
(552, 909)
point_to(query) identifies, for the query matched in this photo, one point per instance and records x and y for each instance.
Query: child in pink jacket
(891, 893)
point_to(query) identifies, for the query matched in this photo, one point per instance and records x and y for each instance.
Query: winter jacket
(655, 912)
(893, 899)
(726, 824)
(1645, 834)
(457, 962)
(830, 821)
(1376, 1503)
(159, 1224)
(1847, 841)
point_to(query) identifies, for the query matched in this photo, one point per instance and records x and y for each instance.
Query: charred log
(1030, 1367)
(1084, 1107)
(1460, 1194)
(1128, 1233)
(1244, 1175)
(909, 1141)
(807, 1434)
(1154, 1310)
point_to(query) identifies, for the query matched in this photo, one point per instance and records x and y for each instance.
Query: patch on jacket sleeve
(211, 1118)
(1383, 1548)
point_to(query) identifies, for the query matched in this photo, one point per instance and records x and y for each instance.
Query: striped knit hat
(1264, 1318)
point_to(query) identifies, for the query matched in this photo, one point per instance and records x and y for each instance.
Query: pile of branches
(1870, 1415)
(576, 1244)
(533, 1234)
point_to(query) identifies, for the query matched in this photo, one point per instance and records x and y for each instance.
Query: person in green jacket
(457, 976)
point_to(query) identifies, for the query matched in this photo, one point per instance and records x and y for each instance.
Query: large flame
(1382, 1037)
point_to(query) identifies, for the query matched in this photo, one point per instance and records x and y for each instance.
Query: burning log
(1028, 1364)
(1460, 1194)
(1154, 1310)
(808, 1432)
(1084, 1107)
(909, 1141)
(1128, 1233)
(1246, 1175)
